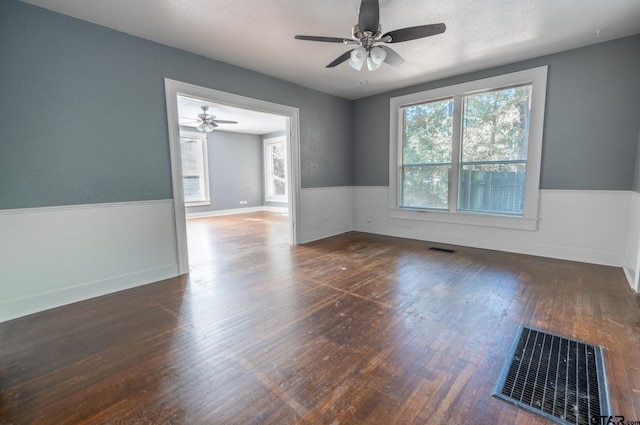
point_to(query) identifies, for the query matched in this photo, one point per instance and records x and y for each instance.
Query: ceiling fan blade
(392, 57)
(412, 33)
(369, 16)
(323, 39)
(343, 57)
(225, 122)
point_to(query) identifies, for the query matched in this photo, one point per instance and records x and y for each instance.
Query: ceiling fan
(207, 123)
(368, 32)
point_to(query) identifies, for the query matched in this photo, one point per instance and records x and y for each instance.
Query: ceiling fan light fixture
(371, 65)
(201, 127)
(378, 55)
(358, 55)
(375, 59)
(209, 128)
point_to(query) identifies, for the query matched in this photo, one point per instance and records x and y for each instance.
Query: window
(195, 176)
(275, 169)
(469, 153)
(426, 154)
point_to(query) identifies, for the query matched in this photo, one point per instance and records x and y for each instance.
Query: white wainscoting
(586, 226)
(632, 259)
(325, 212)
(55, 256)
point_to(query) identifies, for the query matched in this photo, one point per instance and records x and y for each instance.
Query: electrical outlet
(243, 202)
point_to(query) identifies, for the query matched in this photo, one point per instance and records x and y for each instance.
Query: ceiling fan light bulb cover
(209, 128)
(378, 55)
(371, 65)
(356, 65)
(358, 54)
(201, 127)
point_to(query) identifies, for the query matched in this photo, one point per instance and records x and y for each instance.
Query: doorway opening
(184, 110)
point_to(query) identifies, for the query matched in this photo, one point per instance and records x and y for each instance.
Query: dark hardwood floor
(354, 329)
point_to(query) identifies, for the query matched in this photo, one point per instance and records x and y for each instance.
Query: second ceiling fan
(206, 122)
(368, 32)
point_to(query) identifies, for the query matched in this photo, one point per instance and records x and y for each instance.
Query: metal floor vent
(559, 378)
(438, 249)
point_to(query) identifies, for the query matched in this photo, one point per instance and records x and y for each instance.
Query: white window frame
(205, 167)
(537, 77)
(268, 172)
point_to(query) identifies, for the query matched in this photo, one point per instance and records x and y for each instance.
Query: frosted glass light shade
(358, 56)
(371, 65)
(378, 55)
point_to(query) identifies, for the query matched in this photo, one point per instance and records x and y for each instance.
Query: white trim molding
(268, 172)
(54, 256)
(537, 77)
(172, 89)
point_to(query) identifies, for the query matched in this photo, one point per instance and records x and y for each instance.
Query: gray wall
(83, 116)
(235, 171)
(591, 121)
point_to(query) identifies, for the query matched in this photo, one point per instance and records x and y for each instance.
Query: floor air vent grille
(439, 249)
(556, 377)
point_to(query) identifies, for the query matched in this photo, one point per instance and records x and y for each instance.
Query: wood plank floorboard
(353, 329)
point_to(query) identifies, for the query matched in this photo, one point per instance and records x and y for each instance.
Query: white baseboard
(67, 295)
(282, 210)
(630, 274)
(233, 211)
(55, 256)
(325, 233)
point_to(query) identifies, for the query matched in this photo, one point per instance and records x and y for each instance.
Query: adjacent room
(337, 212)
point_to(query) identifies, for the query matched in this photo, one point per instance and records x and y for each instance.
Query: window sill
(466, 218)
(197, 204)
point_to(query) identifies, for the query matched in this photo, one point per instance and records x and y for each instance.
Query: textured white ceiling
(258, 34)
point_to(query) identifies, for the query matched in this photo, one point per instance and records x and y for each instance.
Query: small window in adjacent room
(195, 175)
(469, 153)
(275, 169)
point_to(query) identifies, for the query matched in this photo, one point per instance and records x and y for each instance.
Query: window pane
(496, 188)
(496, 125)
(278, 184)
(425, 186)
(428, 131)
(191, 156)
(192, 188)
